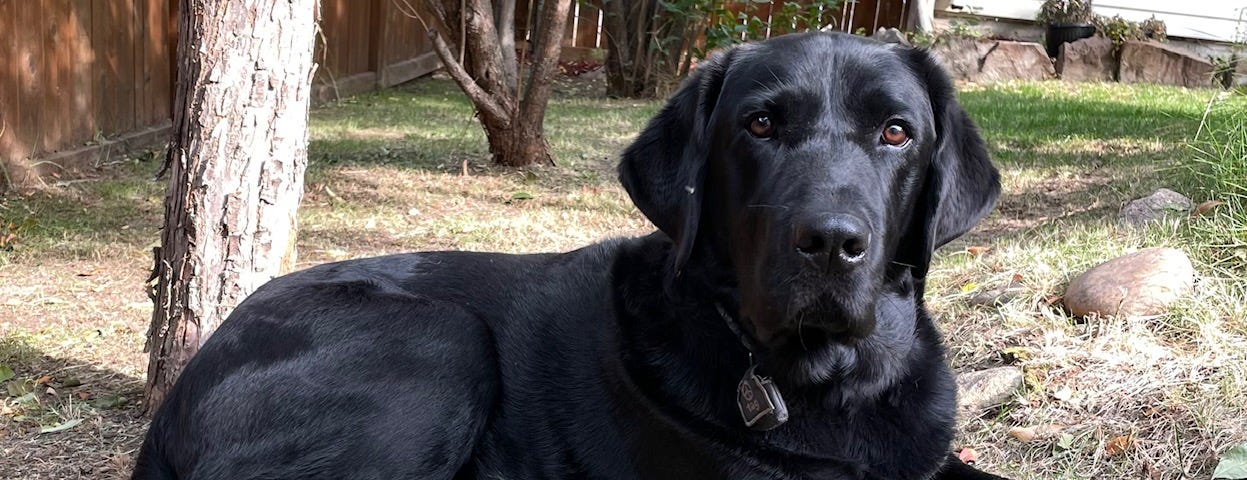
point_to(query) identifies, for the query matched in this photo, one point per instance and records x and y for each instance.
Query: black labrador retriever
(773, 329)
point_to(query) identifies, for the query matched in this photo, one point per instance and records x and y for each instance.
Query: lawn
(405, 169)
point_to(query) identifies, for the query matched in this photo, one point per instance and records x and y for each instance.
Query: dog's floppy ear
(663, 169)
(961, 184)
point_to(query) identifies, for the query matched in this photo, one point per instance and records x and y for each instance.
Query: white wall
(1219, 20)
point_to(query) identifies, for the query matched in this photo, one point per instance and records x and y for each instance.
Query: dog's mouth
(834, 319)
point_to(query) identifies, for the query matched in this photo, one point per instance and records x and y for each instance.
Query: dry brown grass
(403, 170)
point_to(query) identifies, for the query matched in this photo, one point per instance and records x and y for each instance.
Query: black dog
(800, 186)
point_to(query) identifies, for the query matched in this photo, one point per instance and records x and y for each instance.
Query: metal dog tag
(760, 404)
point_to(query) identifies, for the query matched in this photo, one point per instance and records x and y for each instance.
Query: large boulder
(1151, 62)
(972, 60)
(1087, 60)
(962, 58)
(1008, 60)
(1143, 283)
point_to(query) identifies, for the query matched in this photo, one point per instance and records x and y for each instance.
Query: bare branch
(480, 98)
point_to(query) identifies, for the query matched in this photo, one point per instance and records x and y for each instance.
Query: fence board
(30, 75)
(112, 37)
(11, 140)
(156, 47)
(67, 98)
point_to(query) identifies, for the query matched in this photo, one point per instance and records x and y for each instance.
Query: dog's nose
(838, 239)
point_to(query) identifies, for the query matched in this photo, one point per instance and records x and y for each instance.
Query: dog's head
(821, 169)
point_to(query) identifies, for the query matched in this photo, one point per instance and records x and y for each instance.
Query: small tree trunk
(921, 16)
(512, 116)
(236, 168)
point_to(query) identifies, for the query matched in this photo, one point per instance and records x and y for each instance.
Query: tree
(652, 44)
(921, 16)
(235, 166)
(510, 109)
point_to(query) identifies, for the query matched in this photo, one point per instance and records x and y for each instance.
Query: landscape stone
(997, 296)
(1143, 283)
(1087, 60)
(1152, 62)
(1240, 73)
(1008, 60)
(962, 57)
(985, 389)
(973, 60)
(1157, 206)
(890, 35)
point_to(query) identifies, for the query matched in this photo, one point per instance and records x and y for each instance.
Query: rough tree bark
(235, 166)
(510, 109)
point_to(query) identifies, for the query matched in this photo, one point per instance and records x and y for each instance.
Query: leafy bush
(1065, 12)
(1121, 30)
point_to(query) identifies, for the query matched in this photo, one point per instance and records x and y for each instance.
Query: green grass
(407, 169)
(1071, 156)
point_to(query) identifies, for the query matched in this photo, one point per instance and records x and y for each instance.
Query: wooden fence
(83, 81)
(584, 28)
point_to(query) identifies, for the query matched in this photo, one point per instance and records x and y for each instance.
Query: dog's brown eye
(894, 134)
(762, 127)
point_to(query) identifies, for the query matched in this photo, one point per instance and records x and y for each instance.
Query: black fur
(613, 361)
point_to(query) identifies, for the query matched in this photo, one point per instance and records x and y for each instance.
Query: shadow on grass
(95, 410)
(85, 217)
(428, 126)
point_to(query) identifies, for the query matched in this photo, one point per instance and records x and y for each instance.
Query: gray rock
(1087, 60)
(985, 389)
(1007, 60)
(971, 60)
(1160, 204)
(1240, 73)
(997, 296)
(890, 35)
(1151, 62)
(962, 58)
(1143, 283)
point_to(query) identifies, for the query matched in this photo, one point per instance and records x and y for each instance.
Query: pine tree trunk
(236, 168)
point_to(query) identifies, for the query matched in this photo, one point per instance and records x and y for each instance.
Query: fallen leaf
(968, 456)
(1032, 433)
(1065, 442)
(1118, 445)
(1017, 278)
(969, 287)
(1232, 465)
(42, 380)
(61, 427)
(110, 401)
(1016, 354)
(5, 372)
(1206, 208)
(83, 395)
(521, 196)
(975, 250)
(1023, 434)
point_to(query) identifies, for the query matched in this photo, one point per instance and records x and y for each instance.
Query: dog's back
(376, 368)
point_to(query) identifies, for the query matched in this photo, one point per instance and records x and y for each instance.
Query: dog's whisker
(762, 205)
